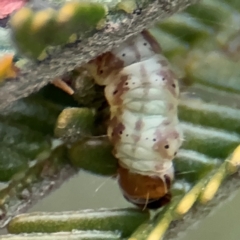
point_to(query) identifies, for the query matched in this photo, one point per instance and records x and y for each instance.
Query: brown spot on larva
(152, 41)
(139, 125)
(164, 136)
(121, 88)
(116, 127)
(170, 81)
(135, 138)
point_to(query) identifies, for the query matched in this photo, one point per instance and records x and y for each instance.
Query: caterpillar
(143, 93)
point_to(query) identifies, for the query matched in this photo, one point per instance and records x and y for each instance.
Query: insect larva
(142, 92)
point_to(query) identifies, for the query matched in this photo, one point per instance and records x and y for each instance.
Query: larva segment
(142, 92)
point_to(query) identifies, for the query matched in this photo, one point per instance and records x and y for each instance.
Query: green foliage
(72, 18)
(122, 220)
(94, 155)
(75, 121)
(26, 133)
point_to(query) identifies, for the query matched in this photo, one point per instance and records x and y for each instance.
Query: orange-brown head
(142, 190)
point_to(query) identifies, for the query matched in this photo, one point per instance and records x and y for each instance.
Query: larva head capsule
(145, 191)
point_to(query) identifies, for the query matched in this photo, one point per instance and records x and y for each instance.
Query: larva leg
(63, 85)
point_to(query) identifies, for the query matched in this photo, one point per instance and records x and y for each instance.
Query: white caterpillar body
(142, 92)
